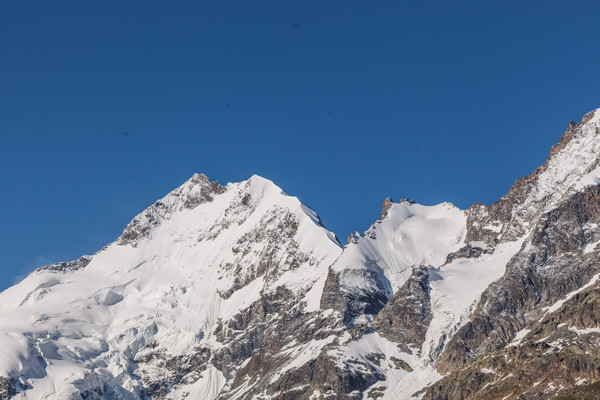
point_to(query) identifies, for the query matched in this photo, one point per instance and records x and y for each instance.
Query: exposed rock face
(174, 369)
(8, 388)
(65, 266)
(197, 299)
(349, 383)
(353, 238)
(558, 356)
(197, 190)
(387, 204)
(558, 221)
(551, 264)
(272, 242)
(376, 265)
(509, 218)
(353, 303)
(406, 317)
(238, 292)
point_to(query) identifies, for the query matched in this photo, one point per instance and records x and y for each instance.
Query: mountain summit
(239, 292)
(143, 316)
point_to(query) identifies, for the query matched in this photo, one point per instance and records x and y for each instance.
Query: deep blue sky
(105, 106)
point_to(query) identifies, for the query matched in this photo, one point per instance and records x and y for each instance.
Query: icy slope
(556, 201)
(410, 235)
(554, 211)
(374, 266)
(199, 255)
(238, 292)
(394, 348)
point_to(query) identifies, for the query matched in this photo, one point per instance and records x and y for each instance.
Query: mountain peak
(190, 275)
(592, 116)
(195, 191)
(199, 177)
(576, 155)
(572, 165)
(588, 119)
(387, 204)
(238, 291)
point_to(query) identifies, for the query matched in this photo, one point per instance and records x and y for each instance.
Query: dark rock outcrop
(506, 219)
(556, 357)
(387, 204)
(197, 190)
(551, 264)
(8, 388)
(352, 303)
(406, 316)
(67, 266)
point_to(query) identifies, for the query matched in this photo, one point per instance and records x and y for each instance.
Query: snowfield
(199, 297)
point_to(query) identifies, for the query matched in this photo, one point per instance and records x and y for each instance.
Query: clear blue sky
(105, 106)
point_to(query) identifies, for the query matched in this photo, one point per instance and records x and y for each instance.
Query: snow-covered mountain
(142, 316)
(239, 292)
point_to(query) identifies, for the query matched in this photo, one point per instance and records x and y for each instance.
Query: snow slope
(455, 289)
(178, 271)
(409, 236)
(201, 295)
(64, 331)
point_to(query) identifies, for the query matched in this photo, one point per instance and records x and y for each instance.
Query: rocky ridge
(239, 292)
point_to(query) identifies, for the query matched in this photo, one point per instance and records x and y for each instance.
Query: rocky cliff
(237, 291)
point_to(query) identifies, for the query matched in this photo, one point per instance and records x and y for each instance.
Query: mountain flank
(238, 291)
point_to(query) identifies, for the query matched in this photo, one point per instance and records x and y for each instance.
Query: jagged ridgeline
(239, 292)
